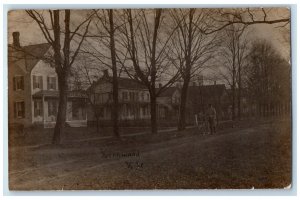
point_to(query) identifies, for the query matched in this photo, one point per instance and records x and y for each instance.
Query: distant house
(168, 103)
(33, 88)
(199, 97)
(246, 107)
(134, 99)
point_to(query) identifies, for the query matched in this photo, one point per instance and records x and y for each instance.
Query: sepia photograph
(149, 98)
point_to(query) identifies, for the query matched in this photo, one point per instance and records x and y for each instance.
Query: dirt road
(245, 157)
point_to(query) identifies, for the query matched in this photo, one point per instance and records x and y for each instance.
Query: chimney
(16, 39)
(215, 82)
(159, 85)
(105, 73)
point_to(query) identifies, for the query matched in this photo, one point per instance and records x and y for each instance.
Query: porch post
(43, 103)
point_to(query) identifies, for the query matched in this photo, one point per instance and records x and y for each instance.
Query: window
(78, 110)
(128, 110)
(98, 98)
(37, 108)
(144, 109)
(125, 95)
(18, 83)
(148, 96)
(19, 109)
(75, 111)
(77, 85)
(162, 112)
(37, 82)
(51, 83)
(125, 110)
(132, 96)
(176, 99)
(52, 107)
(102, 98)
(142, 96)
(101, 112)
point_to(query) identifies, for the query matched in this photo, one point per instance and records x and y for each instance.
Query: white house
(34, 91)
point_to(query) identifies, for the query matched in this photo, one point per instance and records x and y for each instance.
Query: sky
(30, 33)
(18, 20)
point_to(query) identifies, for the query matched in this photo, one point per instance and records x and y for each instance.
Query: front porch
(45, 108)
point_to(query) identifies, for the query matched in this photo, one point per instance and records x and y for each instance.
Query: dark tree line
(268, 79)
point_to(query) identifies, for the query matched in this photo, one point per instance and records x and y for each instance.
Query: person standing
(212, 116)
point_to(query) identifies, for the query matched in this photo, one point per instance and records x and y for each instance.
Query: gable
(34, 54)
(28, 56)
(42, 68)
(176, 94)
(168, 92)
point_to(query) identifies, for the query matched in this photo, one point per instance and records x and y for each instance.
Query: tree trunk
(239, 93)
(62, 111)
(182, 109)
(233, 85)
(97, 124)
(187, 74)
(153, 112)
(62, 78)
(115, 109)
(233, 103)
(153, 72)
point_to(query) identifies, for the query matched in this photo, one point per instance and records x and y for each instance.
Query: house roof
(207, 90)
(243, 91)
(130, 83)
(32, 54)
(122, 83)
(206, 94)
(168, 92)
(55, 94)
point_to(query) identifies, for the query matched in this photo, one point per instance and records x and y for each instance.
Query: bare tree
(242, 53)
(104, 37)
(191, 49)
(115, 113)
(146, 45)
(246, 17)
(63, 57)
(232, 56)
